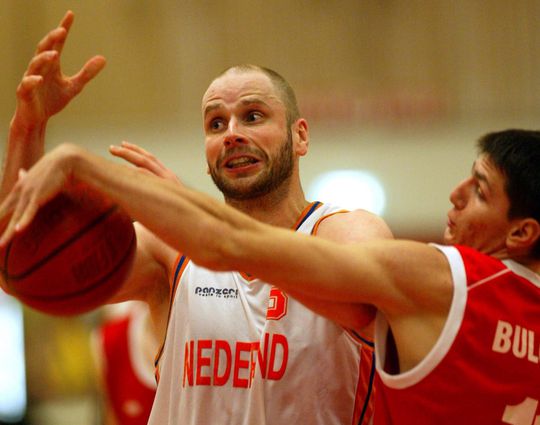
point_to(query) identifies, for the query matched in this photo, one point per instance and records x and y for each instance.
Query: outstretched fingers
(67, 20)
(56, 38)
(132, 147)
(89, 70)
(46, 60)
(39, 99)
(135, 155)
(142, 159)
(43, 63)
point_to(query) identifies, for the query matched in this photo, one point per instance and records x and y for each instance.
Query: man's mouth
(449, 222)
(241, 161)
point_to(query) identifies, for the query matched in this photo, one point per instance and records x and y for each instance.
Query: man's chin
(241, 189)
(448, 237)
(243, 194)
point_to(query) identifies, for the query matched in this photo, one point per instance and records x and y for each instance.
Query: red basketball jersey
(484, 368)
(130, 394)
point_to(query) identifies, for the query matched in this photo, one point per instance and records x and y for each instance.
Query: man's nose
(458, 196)
(233, 136)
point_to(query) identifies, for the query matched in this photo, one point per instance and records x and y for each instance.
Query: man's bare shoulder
(354, 226)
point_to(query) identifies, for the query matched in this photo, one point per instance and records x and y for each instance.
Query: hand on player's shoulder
(354, 226)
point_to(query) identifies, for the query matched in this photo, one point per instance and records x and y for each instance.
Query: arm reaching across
(346, 227)
(394, 276)
(43, 91)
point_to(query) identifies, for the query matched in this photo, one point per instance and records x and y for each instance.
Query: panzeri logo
(210, 291)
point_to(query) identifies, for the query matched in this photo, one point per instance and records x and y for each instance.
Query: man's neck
(276, 208)
(525, 260)
(530, 263)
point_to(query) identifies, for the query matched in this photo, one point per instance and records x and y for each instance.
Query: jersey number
(522, 413)
(277, 304)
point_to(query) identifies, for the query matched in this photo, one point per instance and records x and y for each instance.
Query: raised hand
(144, 160)
(44, 90)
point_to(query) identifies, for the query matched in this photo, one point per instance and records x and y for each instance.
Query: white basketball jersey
(239, 351)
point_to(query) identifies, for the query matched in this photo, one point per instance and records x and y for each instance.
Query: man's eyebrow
(245, 102)
(480, 176)
(211, 107)
(253, 101)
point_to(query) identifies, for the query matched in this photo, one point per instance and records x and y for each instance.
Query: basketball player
(458, 326)
(238, 350)
(124, 346)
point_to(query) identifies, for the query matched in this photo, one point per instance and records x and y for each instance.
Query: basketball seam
(58, 249)
(87, 289)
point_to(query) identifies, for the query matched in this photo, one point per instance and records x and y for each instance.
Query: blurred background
(396, 92)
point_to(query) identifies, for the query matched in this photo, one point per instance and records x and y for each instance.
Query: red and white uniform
(239, 351)
(128, 377)
(485, 367)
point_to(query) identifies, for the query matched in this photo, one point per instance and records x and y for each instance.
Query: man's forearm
(25, 145)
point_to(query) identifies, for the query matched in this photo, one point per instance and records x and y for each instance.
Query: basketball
(73, 256)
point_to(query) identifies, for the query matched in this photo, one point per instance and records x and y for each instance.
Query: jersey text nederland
(203, 357)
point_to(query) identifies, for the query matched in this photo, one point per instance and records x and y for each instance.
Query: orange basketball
(74, 255)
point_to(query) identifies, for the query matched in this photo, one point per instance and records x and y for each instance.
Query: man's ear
(523, 235)
(300, 137)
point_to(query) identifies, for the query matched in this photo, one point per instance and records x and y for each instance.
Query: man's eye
(216, 124)
(253, 116)
(479, 192)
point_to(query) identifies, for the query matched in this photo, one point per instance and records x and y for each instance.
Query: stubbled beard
(280, 170)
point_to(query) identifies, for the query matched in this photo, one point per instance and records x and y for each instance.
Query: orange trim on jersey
(324, 217)
(365, 389)
(175, 279)
(177, 274)
(247, 276)
(360, 337)
(303, 215)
